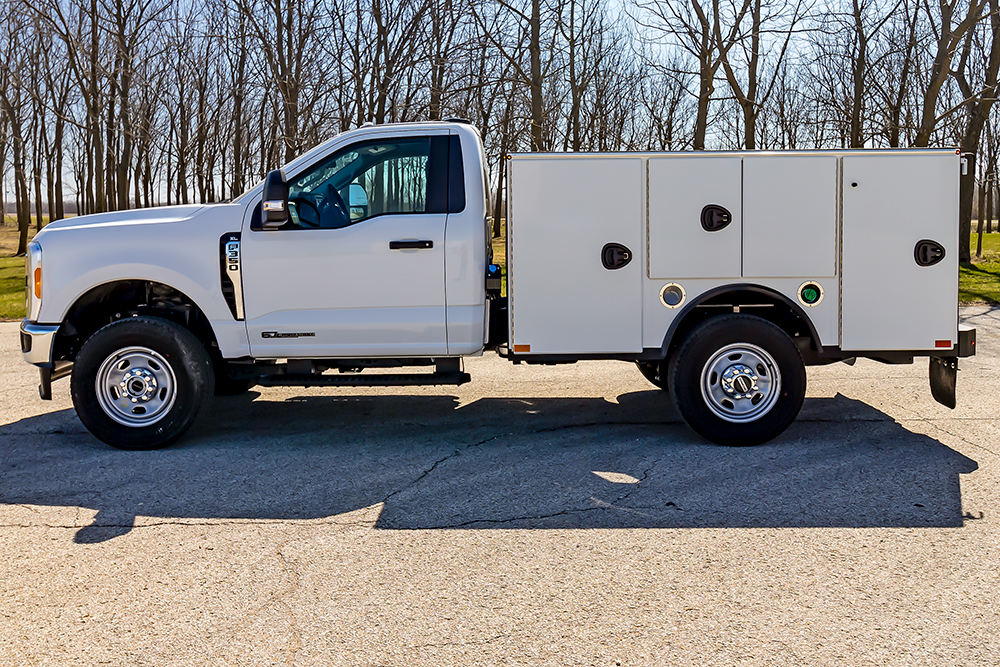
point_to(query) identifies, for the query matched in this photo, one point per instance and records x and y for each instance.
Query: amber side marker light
(38, 282)
(943, 343)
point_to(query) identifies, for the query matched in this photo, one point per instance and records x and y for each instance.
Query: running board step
(362, 380)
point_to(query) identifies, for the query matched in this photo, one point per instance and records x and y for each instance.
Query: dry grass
(11, 271)
(8, 235)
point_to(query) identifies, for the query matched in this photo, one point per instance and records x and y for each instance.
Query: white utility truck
(720, 274)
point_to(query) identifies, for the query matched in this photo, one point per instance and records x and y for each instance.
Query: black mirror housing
(274, 208)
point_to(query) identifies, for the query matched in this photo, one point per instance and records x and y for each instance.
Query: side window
(361, 182)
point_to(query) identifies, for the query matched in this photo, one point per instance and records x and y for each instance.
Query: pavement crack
(433, 467)
(934, 423)
(645, 475)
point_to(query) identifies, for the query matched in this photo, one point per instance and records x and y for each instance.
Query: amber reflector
(38, 282)
(942, 343)
(522, 348)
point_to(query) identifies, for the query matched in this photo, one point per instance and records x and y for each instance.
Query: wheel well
(752, 300)
(110, 302)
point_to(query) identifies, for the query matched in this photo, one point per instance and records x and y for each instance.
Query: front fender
(184, 255)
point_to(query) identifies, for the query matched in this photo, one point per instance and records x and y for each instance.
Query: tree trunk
(20, 182)
(94, 123)
(60, 213)
(991, 194)
(978, 115)
(983, 187)
(125, 90)
(860, 67)
(535, 50)
(704, 94)
(966, 189)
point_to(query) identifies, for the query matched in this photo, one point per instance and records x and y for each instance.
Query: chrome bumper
(37, 341)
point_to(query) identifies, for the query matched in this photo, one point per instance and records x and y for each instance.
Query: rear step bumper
(365, 380)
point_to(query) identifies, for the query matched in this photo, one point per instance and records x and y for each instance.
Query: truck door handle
(410, 245)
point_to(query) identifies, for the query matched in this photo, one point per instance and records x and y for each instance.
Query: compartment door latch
(615, 256)
(715, 218)
(928, 253)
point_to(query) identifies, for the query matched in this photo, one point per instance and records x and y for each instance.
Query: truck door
(896, 297)
(695, 216)
(358, 271)
(575, 252)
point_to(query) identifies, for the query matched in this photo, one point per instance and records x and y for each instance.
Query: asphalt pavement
(539, 515)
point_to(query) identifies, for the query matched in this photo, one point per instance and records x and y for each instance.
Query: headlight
(33, 281)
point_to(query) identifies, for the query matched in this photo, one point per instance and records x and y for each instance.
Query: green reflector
(810, 294)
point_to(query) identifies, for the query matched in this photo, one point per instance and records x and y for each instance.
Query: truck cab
(380, 260)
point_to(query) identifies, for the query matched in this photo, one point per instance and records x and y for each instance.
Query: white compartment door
(891, 203)
(680, 188)
(790, 216)
(564, 211)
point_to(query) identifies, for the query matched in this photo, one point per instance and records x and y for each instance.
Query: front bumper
(37, 341)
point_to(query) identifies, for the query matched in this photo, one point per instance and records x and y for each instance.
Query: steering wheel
(303, 201)
(333, 204)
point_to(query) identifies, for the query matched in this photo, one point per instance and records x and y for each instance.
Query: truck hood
(142, 216)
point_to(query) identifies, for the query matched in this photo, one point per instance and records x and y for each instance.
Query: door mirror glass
(274, 208)
(358, 201)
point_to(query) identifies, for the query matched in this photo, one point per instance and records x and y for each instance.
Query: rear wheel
(140, 382)
(738, 380)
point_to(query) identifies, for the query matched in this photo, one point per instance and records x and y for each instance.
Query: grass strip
(11, 288)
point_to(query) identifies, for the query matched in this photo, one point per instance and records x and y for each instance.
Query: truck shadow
(431, 463)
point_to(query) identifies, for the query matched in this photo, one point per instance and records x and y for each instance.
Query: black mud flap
(943, 372)
(49, 375)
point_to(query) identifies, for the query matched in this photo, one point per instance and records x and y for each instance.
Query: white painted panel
(789, 216)
(825, 316)
(889, 302)
(347, 288)
(563, 210)
(680, 186)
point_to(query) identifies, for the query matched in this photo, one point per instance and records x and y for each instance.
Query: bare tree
(948, 36)
(13, 104)
(767, 28)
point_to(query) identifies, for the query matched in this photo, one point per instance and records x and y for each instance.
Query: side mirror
(358, 201)
(275, 205)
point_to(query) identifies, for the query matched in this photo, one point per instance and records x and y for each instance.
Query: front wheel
(738, 380)
(140, 382)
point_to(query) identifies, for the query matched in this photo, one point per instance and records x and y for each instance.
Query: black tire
(737, 380)
(655, 372)
(140, 382)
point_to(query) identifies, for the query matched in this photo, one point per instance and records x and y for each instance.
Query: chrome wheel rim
(136, 386)
(740, 383)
